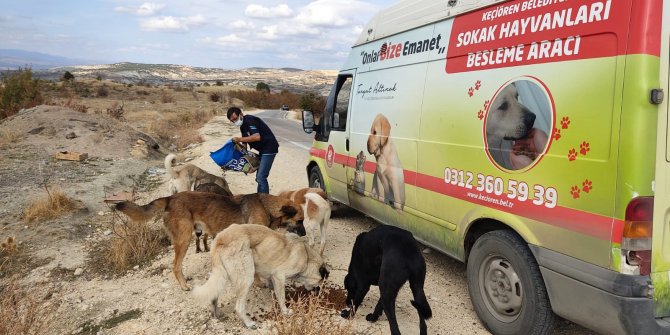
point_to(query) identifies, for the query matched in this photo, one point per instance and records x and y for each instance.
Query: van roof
(409, 14)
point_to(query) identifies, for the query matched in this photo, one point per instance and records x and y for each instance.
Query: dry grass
(310, 315)
(8, 136)
(132, 244)
(53, 205)
(24, 310)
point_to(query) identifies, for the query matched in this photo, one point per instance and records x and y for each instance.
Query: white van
(526, 138)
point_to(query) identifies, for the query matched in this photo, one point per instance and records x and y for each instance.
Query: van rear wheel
(506, 286)
(315, 179)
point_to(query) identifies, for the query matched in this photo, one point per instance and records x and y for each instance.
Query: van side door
(336, 118)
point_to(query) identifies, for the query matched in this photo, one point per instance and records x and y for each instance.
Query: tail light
(636, 240)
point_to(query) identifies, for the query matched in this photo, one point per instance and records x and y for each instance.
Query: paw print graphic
(575, 192)
(587, 186)
(557, 134)
(471, 91)
(584, 148)
(478, 84)
(486, 104)
(572, 154)
(480, 114)
(565, 122)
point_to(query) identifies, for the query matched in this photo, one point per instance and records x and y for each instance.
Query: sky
(228, 34)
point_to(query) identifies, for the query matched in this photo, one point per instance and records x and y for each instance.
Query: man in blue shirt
(259, 136)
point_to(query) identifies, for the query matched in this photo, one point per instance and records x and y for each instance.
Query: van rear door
(660, 261)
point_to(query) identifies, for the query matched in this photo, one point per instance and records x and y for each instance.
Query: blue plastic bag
(235, 157)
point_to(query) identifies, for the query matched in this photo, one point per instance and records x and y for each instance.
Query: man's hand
(237, 139)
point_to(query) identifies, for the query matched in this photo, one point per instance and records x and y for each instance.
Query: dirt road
(148, 297)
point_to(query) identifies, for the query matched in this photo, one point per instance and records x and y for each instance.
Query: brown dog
(388, 183)
(298, 196)
(212, 213)
(189, 176)
(209, 188)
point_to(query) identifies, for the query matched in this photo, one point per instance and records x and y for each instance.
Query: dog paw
(345, 313)
(372, 317)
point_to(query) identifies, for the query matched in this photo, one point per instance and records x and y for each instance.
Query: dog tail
(138, 213)
(209, 292)
(168, 166)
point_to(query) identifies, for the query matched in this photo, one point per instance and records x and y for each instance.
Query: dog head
(507, 118)
(292, 217)
(315, 272)
(379, 134)
(360, 161)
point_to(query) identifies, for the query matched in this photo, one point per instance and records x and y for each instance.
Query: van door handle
(347, 145)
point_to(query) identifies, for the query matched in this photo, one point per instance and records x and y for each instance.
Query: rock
(71, 135)
(101, 213)
(426, 251)
(78, 271)
(136, 267)
(107, 232)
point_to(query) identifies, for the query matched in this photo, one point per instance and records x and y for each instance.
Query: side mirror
(307, 121)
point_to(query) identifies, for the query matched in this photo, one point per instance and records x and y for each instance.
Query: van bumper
(600, 299)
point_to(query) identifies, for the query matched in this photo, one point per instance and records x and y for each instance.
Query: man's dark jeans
(263, 172)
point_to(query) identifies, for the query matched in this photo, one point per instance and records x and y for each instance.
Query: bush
(133, 244)
(56, 204)
(67, 76)
(24, 311)
(215, 97)
(19, 90)
(103, 91)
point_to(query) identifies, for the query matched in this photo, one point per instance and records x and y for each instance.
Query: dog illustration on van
(388, 183)
(359, 173)
(513, 139)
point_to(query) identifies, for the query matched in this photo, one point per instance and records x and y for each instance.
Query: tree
(67, 76)
(263, 87)
(18, 90)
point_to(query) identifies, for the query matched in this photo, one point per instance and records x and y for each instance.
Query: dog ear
(386, 130)
(289, 210)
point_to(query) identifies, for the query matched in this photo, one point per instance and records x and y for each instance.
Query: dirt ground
(147, 297)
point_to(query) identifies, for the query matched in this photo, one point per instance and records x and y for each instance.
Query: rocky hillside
(295, 80)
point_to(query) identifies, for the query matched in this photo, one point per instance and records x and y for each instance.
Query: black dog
(388, 257)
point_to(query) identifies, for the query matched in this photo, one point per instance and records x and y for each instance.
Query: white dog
(507, 120)
(316, 211)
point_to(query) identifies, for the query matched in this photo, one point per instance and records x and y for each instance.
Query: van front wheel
(315, 179)
(506, 286)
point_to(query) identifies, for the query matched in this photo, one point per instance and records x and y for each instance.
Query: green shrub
(19, 90)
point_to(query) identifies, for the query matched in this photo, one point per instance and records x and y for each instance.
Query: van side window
(339, 117)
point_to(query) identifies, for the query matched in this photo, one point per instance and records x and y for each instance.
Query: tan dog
(242, 251)
(388, 183)
(317, 216)
(187, 177)
(509, 120)
(184, 211)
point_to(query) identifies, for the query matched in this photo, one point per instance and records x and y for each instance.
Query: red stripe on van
(595, 225)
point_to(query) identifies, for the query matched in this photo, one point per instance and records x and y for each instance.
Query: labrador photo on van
(527, 139)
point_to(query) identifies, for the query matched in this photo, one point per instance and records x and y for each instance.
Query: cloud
(145, 9)
(241, 24)
(172, 24)
(332, 13)
(261, 12)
